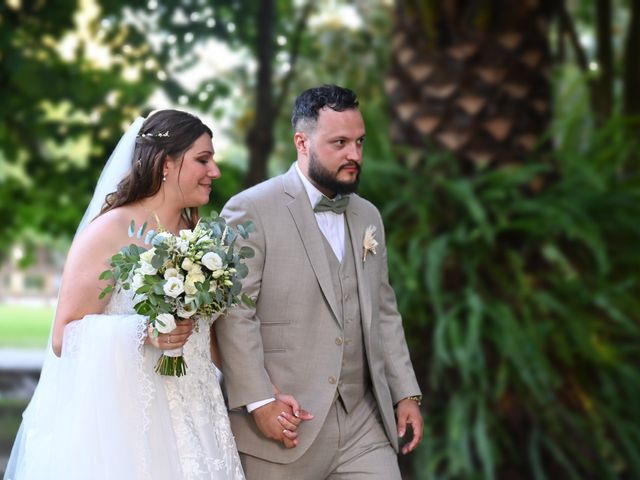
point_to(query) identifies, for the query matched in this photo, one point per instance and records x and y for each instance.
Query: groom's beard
(327, 180)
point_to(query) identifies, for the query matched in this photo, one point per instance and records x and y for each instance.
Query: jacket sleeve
(399, 370)
(238, 331)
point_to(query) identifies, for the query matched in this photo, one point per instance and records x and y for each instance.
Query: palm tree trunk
(472, 78)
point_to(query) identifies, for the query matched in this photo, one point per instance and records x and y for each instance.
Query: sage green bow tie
(339, 205)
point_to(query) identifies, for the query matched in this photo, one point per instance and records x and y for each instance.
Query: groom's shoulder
(364, 204)
(263, 191)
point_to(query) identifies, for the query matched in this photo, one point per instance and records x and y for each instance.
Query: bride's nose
(214, 170)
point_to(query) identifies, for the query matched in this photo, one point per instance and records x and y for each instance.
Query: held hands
(279, 420)
(408, 413)
(176, 338)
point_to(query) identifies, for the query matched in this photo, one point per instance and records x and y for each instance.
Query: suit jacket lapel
(356, 234)
(311, 236)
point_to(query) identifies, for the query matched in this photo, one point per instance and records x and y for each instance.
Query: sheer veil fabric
(101, 412)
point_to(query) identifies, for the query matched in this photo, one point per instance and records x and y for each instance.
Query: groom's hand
(267, 419)
(408, 413)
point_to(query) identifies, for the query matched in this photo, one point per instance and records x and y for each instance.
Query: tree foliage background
(502, 150)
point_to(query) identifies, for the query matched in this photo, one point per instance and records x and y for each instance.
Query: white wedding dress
(101, 412)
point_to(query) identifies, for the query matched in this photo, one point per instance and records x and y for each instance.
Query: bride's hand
(176, 338)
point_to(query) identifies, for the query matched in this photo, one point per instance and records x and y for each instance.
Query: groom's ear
(300, 140)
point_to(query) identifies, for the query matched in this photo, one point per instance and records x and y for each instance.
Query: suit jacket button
(332, 380)
(338, 341)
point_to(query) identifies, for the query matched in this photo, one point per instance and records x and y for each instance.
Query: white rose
(148, 255)
(187, 264)
(172, 273)
(190, 288)
(187, 310)
(173, 287)
(137, 281)
(147, 269)
(212, 261)
(166, 323)
(190, 282)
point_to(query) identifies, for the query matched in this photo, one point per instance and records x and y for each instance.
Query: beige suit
(292, 337)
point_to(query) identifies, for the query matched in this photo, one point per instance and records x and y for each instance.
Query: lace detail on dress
(205, 445)
(200, 392)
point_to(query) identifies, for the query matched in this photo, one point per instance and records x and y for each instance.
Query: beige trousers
(349, 447)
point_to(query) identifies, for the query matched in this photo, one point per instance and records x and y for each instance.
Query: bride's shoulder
(107, 232)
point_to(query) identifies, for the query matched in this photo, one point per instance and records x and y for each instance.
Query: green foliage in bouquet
(521, 307)
(194, 273)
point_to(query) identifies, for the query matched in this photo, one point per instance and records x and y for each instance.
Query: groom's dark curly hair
(166, 134)
(309, 103)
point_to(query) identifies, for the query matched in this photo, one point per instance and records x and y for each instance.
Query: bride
(100, 411)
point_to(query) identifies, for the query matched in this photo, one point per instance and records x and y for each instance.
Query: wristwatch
(416, 398)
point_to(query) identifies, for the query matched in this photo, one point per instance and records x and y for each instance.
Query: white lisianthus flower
(166, 323)
(186, 310)
(213, 286)
(172, 273)
(173, 287)
(212, 261)
(147, 269)
(228, 283)
(137, 281)
(196, 269)
(217, 273)
(187, 264)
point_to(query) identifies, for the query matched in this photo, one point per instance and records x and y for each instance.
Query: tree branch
(631, 64)
(569, 28)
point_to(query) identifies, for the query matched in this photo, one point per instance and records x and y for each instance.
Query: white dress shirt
(332, 227)
(331, 224)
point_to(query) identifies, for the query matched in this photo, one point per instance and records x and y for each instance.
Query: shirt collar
(312, 192)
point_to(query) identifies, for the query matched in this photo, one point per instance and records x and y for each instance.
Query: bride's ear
(168, 165)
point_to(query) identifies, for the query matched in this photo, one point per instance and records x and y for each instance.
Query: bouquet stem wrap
(172, 363)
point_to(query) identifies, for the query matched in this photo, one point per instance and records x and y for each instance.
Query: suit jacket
(289, 338)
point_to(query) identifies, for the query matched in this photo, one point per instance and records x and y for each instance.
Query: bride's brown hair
(166, 133)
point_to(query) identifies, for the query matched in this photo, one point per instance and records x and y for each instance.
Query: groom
(325, 328)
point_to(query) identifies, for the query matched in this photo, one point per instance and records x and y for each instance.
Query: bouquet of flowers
(195, 273)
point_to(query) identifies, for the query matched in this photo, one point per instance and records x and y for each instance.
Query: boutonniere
(369, 243)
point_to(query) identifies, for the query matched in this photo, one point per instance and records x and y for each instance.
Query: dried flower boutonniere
(369, 243)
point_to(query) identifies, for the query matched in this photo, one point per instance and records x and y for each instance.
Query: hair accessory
(155, 135)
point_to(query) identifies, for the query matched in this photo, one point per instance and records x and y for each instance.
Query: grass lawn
(24, 326)
(10, 418)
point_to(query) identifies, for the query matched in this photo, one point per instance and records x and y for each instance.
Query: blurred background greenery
(502, 149)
